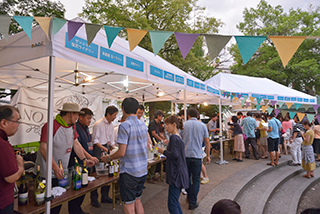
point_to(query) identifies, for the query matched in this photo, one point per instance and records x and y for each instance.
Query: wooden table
(70, 194)
(223, 142)
(154, 162)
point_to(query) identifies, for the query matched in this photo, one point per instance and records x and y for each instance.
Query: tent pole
(221, 162)
(50, 133)
(172, 108)
(185, 104)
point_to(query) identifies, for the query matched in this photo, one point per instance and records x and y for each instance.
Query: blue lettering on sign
(263, 96)
(179, 79)
(81, 45)
(299, 99)
(189, 82)
(169, 76)
(203, 86)
(255, 95)
(156, 71)
(215, 91)
(270, 97)
(280, 98)
(244, 94)
(287, 98)
(134, 64)
(305, 100)
(196, 85)
(111, 56)
(293, 99)
(208, 89)
(312, 100)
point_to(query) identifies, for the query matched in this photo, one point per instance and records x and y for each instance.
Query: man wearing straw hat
(64, 139)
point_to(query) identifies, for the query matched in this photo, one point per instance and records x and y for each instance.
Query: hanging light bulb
(160, 93)
(126, 82)
(205, 103)
(89, 78)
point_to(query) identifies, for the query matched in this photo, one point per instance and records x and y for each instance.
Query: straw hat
(71, 107)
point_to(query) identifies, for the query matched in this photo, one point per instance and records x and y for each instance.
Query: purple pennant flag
(318, 117)
(247, 104)
(239, 96)
(73, 28)
(315, 107)
(273, 102)
(276, 111)
(185, 42)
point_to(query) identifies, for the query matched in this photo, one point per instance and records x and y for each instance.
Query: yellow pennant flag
(135, 36)
(44, 23)
(286, 46)
(300, 115)
(252, 99)
(289, 105)
(264, 108)
(235, 99)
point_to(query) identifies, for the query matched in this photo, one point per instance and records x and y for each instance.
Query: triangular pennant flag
(245, 97)
(258, 107)
(239, 96)
(44, 23)
(264, 108)
(231, 97)
(228, 94)
(252, 99)
(265, 101)
(5, 21)
(273, 102)
(280, 103)
(306, 107)
(91, 31)
(284, 112)
(215, 43)
(277, 111)
(318, 118)
(112, 33)
(185, 42)
(258, 100)
(235, 99)
(73, 28)
(315, 107)
(158, 38)
(291, 114)
(247, 105)
(242, 102)
(248, 45)
(300, 115)
(289, 105)
(310, 117)
(286, 46)
(297, 105)
(135, 36)
(270, 110)
(233, 94)
(26, 23)
(225, 94)
(57, 24)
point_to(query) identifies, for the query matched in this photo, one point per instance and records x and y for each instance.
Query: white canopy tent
(118, 73)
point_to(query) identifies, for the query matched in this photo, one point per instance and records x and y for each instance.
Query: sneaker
(239, 160)
(192, 207)
(204, 180)
(184, 191)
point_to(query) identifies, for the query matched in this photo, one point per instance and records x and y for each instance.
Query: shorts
(273, 144)
(131, 187)
(263, 141)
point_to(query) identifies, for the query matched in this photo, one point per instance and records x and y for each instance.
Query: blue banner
(255, 95)
(299, 99)
(134, 64)
(293, 99)
(189, 83)
(169, 76)
(81, 45)
(156, 71)
(270, 97)
(312, 100)
(179, 79)
(287, 98)
(111, 56)
(196, 85)
(203, 86)
(280, 98)
(263, 96)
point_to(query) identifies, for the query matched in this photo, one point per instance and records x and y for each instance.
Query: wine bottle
(77, 176)
(64, 181)
(84, 175)
(23, 191)
(39, 189)
(111, 169)
(116, 168)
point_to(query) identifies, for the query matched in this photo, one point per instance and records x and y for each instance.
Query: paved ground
(311, 198)
(155, 196)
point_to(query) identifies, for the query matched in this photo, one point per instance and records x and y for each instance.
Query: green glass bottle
(23, 191)
(77, 176)
(39, 189)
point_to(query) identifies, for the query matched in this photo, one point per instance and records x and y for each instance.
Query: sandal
(270, 164)
(307, 176)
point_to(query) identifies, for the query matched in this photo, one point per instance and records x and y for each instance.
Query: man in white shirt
(103, 141)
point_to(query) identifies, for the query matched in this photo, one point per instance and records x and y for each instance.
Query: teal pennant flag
(91, 31)
(297, 105)
(258, 100)
(112, 33)
(5, 21)
(248, 45)
(242, 102)
(258, 107)
(291, 114)
(280, 103)
(270, 110)
(57, 24)
(215, 43)
(310, 117)
(158, 38)
(245, 97)
(26, 23)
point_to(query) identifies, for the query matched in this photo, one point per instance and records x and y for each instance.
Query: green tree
(303, 70)
(43, 8)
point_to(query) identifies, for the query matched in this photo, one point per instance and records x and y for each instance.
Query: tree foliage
(303, 70)
(41, 8)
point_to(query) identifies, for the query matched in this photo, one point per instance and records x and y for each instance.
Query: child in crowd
(177, 171)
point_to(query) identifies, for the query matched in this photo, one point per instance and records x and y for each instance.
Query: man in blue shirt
(274, 126)
(249, 126)
(193, 134)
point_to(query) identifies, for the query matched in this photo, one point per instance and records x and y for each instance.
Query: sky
(228, 11)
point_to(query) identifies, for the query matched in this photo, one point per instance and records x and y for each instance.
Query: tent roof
(263, 88)
(26, 63)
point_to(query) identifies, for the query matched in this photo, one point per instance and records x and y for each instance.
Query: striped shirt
(133, 133)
